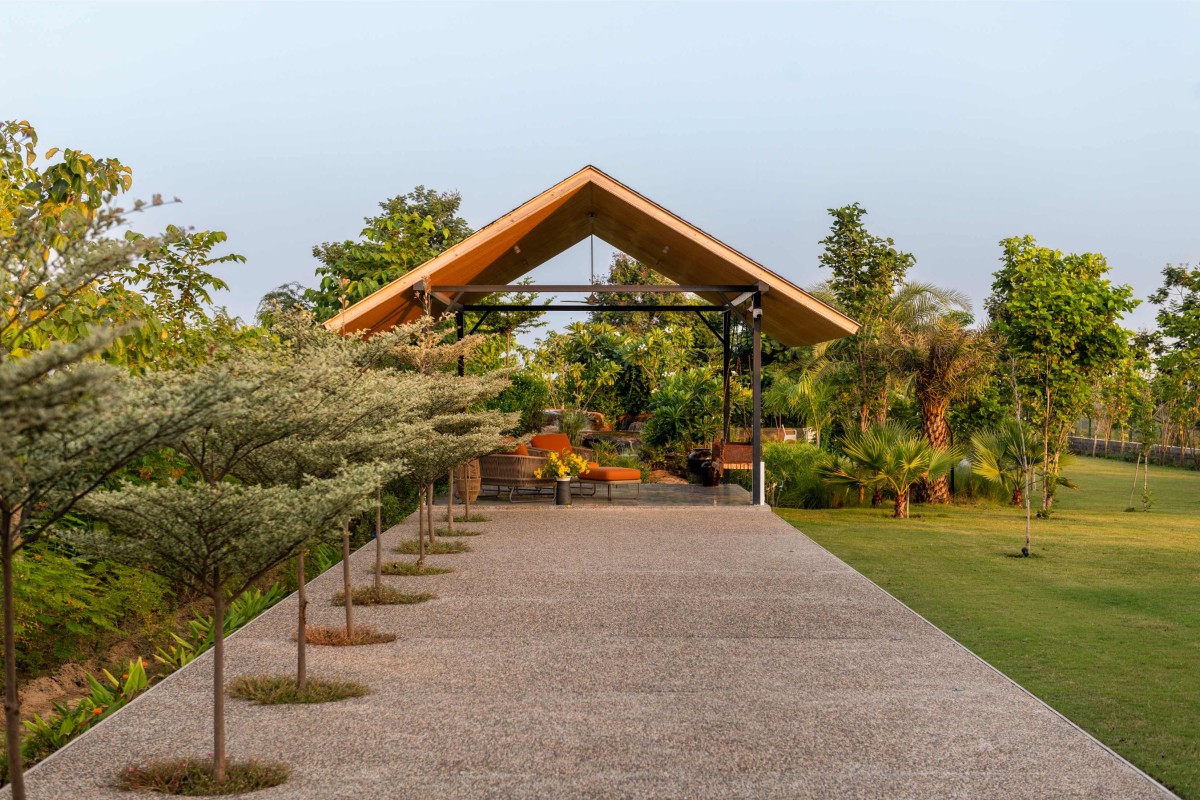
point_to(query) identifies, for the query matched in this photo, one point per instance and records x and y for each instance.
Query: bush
(529, 395)
(193, 777)
(686, 411)
(269, 690)
(794, 477)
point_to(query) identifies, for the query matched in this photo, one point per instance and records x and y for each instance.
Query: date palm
(890, 458)
(948, 362)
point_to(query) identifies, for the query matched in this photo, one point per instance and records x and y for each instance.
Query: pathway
(666, 652)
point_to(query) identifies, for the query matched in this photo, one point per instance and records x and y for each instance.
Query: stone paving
(626, 652)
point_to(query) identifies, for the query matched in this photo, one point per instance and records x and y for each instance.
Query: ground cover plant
(1103, 623)
(383, 596)
(413, 568)
(192, 777)
(412, 547)
(280, 689)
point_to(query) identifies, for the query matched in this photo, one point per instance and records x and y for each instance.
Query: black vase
(562, 493)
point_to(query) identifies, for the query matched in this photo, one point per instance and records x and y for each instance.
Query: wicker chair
(514, 473)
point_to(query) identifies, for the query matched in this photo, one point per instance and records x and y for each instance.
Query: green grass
(472, 518)
(1103, 623)
(409, 547)
(281, 689)
(192, 777)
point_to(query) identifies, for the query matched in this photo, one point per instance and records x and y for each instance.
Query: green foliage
(413, 568)
(1059, 319)
(795, 477)
(529, 395)
(382, 596)
(890, 458)
(269, 690)
(686, 411)
(437, 548)
(412, 229)
(193, 777)
(864, 269)
(241, 610)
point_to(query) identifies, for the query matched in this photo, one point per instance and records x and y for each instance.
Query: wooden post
(756, 495)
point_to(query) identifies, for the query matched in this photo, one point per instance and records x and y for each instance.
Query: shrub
(794, 477)
(529, 395)
(686, 411)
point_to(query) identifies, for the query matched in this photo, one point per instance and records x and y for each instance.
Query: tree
(1001, 456)
(686, 411)
(1059, 319)
(283, 299)
(412, 229)
(218, 537)
(866, 270)
(891, 458)
(67, 423)
(948, 361)
(1176, 349)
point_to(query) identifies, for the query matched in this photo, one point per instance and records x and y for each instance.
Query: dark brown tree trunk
(301, 625)
(901, 507)
(9, 526)
(421, 514)
(1017, 496)
(429, 510)
(218, 598)
(378, 537)
(877, 498)
(348, 587)
(450, 504)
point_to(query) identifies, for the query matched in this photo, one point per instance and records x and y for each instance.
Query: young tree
(1176, 349)
(218, 537)
(1059, 318)
(66, 427)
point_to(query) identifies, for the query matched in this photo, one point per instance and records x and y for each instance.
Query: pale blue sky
(954, 124)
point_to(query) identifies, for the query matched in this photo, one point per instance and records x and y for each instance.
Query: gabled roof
(590, 202)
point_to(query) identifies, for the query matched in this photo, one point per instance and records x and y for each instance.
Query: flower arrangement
(562, 466)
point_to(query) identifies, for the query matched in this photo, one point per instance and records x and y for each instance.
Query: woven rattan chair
(514, 473)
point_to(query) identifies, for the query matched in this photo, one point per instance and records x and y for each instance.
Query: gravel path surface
(622, 652)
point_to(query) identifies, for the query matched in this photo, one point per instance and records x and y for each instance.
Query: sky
(953, 124)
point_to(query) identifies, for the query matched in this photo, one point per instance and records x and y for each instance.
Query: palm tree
(947, 361)
(1000, 456)
(890, 458)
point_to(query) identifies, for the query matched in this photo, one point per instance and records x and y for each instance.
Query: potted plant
(562, 467)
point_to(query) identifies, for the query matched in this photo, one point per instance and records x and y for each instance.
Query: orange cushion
(555, 442)
(612, 474)
(519, 450)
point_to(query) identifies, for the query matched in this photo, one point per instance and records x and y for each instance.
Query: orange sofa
(595, 475)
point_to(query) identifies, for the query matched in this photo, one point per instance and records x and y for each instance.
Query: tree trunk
(12, 700)
(347, 583)
(421, 513)
(937, 432)
(429, 510)
(1018, 496)
(467, 497)
(218, 598)
(877, 498)
(378, 537)
(450, 504)
(901, 507)
(301, 625)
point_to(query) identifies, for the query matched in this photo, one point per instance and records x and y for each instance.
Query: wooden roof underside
(590, 202)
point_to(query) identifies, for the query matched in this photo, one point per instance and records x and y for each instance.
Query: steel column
(459, 328)
(725, 378)
(756, 494)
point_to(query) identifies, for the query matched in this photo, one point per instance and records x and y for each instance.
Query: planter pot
(466, 481)
(562, 492)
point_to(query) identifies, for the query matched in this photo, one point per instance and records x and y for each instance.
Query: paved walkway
(627, 653)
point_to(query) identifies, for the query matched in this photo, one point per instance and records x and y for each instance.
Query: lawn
(1103, 623)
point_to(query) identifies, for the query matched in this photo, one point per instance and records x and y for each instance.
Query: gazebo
(591, 203)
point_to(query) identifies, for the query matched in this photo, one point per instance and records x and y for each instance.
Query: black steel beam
(593, 288)
(700, 313)
(480, 321)
(725, 374)
(459, 324)
(587, 307)
(756, 495)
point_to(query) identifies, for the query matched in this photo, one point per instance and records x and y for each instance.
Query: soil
(663, 476)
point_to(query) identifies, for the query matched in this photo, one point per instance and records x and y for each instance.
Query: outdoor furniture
(732, 455)
(595, 474)
(513, 471)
